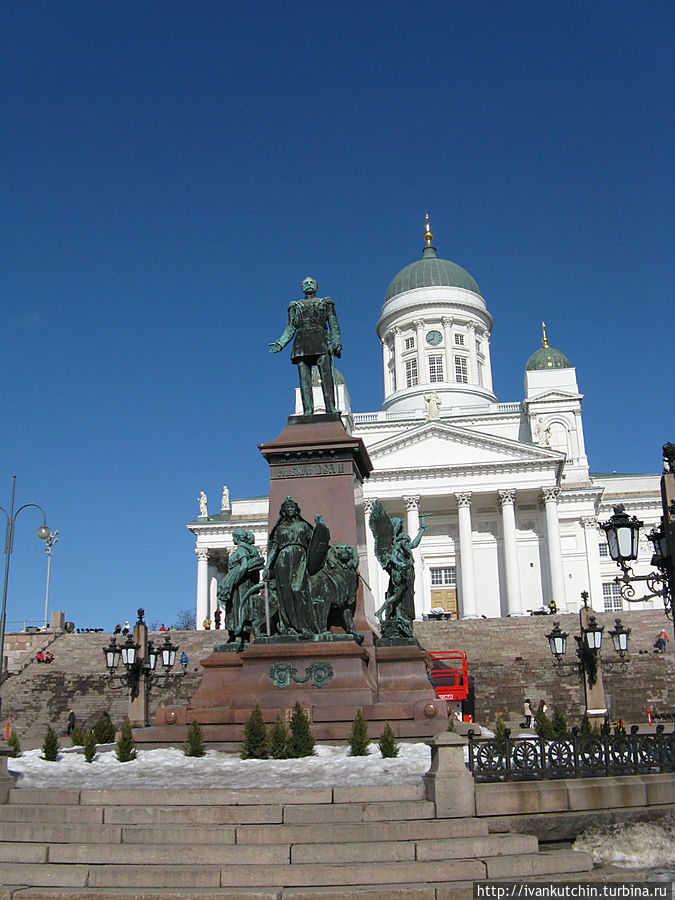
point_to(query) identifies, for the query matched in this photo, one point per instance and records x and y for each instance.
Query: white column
(467, 578)
(473, 360)
(590, 524)
(385, 368)
(554, 549)
(202, 586)
(514, 604)
(398, 359)
(447, 338)
(213, 593)
(412, 507)
(422, 374)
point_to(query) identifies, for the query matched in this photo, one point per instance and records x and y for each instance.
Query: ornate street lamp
(589, 663)
(623, 533)
(140, 661)
(43, 533)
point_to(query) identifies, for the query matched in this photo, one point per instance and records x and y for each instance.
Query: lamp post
(43, 533)
(49, 543)
(589, 664)
(139, 656)
(623, 532)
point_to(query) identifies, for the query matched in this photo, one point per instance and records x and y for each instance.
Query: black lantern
(112, 655)
(622, 533)
(557, 641)
(168, 653)
(620, 637)
(658, 538)
(593, 634)
(152, 656)
(129, 650)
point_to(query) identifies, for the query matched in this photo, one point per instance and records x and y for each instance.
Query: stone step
(546, 863)
(358, 812)
(417, 829)
(157, 855)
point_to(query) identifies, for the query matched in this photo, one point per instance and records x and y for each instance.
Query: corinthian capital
(507, 497)
(463, 498)
(202, 553)
(412, 504)
(550, 495)
(368, 504)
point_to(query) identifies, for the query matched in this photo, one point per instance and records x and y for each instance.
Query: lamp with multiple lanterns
(137, 663)
(623, 534)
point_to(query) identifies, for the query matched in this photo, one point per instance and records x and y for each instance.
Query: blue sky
(173, 170)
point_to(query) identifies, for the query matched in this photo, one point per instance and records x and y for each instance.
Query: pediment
(554, 396)
(438, 444)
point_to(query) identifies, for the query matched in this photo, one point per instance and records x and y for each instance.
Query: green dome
(431, 271)
(548, 358)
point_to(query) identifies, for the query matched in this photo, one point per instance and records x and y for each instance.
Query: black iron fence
(576, 756)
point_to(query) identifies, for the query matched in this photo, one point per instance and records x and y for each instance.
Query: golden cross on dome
(544, 342)
(428, 236)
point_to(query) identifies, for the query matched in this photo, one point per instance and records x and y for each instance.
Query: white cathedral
(512, 508)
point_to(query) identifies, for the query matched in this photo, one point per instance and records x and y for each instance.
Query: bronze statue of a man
(317, 339)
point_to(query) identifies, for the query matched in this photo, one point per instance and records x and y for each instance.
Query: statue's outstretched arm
(286, 335)
(423, 528)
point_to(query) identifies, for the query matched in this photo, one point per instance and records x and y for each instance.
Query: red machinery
(448, 674)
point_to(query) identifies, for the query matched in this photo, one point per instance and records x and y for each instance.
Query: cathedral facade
(510, 505)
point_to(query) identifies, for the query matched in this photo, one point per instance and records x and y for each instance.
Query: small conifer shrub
(125, 751)
(451, 723)
(89, 745)
(278, 739)
(194, 745)
(542, 725)
(104, 730)
(14, 745)
(77, 736)
(558, 724)
(50, 746)
(255, 736)
(301, 742)
(500, 734)
(358, 739)
(388, 745)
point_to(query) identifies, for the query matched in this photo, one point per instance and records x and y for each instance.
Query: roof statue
(203, 511)
(314, 324)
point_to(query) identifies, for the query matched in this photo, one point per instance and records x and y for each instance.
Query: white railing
(447, 413)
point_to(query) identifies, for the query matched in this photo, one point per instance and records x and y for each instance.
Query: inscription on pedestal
(307, 470)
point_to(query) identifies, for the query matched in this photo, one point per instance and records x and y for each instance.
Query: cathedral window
(611, 594)
(480, 368)
(479, 347)
(444, 576)
(461, 370)
(459, 340)
(411, 373)
(603, 549)
(435, 368)
(409, 343)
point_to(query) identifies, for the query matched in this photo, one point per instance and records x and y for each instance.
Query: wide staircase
(286, 844)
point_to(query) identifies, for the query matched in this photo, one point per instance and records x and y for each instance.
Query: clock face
(434, 337)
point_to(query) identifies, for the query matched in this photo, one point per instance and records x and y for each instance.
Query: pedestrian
(126, 628)
(71, 722)
(552, 608)
(118, 629)
(163, 628)
(527, 710)
(217, 617)
(660, 642)
(184, 660)
(542, 709)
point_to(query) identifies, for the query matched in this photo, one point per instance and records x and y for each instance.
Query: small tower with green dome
(553, 407)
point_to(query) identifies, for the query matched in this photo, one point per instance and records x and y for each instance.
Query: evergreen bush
(500, 734)
(14, 745)
(104, 730)
(255, 736)
(542, 725)
(388, 745)
(587, 729)
(358, 739)
(77, 736)
(278, 739)
(89, 745)
(559, 727)
(50, 746)
(125, 750)
(194, 745)
(301, 742)
(451, 723)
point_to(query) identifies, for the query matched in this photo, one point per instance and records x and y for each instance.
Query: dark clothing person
(71, 722)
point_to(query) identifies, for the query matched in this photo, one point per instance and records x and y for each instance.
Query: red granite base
(330, 680)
